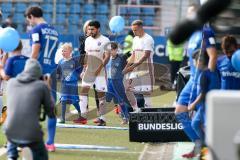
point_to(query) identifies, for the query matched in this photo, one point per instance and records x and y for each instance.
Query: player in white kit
(96, 59)
(140, 64)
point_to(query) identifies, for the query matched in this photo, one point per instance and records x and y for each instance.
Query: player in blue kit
(207, 81)
(230, 78)
(44, 42)
(69, 70)
(115, 76)
(205, 40)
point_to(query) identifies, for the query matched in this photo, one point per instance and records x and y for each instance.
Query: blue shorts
(189, 92)
(116, 90)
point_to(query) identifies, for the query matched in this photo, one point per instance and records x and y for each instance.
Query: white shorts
(143, 84)
(99, 81)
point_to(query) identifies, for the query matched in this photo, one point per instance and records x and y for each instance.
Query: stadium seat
(88, 8)
(73, 29)
(86, 17)
(123, 11)
(148, 21)
(61, 8)
(149, 31)
(134, 11)
(20, 28)
(20, 7)
(48, 8)
(78, 1)
(47, 17)
(6, 7)
(34, 4)
(132, 18)
(102, 18)
(60, 29)
(148, 11)
(47, 1)
(74, 8)
(19, 18)
(60, 19)
(102, 9)
(73, 19)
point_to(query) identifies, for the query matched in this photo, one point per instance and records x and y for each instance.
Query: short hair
(67, 46)
(137, 22)
(114, 45)
(94, 23)
(228, 41)
(36, 11)
(19, 47)
(201, 55)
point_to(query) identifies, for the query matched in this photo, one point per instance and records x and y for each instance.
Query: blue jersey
(115, 67)
(230, 78)
(204, 39)
(47, 37)
(15, 65)
(69, 70)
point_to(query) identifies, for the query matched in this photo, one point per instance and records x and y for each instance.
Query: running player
(141, 63)
(44, 42)
(97, 58)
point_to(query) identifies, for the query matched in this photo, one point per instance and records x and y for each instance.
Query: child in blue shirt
(115, 85)
(69, 70)
(207, 81)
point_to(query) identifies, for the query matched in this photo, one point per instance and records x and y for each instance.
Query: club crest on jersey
(99, 43)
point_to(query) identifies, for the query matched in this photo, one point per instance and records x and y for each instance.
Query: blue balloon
(236, 60)
(9, 39)
(116, 24)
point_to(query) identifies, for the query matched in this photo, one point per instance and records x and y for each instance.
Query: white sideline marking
(87, 147)
(143, 152)
(89, 126)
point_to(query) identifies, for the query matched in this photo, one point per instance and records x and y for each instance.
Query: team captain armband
(209, 37)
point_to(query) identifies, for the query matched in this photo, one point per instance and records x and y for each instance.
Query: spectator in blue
(205, 40)
(69, 70)
(115, 85)
(230, 78)
(207, 81)
(14, 64)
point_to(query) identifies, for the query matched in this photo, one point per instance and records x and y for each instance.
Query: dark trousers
(175, 65)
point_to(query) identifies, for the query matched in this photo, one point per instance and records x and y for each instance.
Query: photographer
(26, 94)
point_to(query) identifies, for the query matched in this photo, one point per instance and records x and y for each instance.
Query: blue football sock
(186, 123)
(64, 106)
(197, 124)
(51, 130)
(77, 106)
(124, 110)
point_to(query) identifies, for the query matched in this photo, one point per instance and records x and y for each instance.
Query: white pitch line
(89, 127)
(90, 150)
(3, 151)
(143, 152)
(87, 147)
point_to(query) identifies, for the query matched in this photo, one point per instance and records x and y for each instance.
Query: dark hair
(114, 45)
(228, 42)
(94, 23)
(19, 47)
(201, 55)
(130, 32)
(35, 11)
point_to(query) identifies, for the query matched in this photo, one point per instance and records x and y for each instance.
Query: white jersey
(140, 45)
(95, 49)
